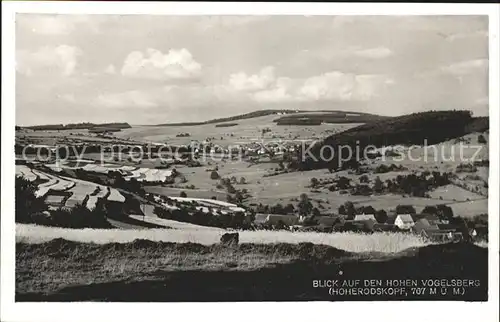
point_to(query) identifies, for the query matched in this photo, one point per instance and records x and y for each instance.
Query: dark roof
(447, 227)
(327, 220)
(391, 219)
(383, 227)
(432, 218)
(418, 216)
(424, 224)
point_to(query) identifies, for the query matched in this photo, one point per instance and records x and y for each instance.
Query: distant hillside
(318, 118)
(433, 126)
(77, 126)
(291, 116)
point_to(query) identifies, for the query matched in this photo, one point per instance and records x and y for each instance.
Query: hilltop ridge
(290, 116)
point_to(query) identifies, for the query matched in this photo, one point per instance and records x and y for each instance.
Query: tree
(305, 206)
(243, 180)
(231, 188)
(444, 212)
(381, 216)
(316, 212)
(238, 197)
(183, 194)
(364, 179)
(405, 209)
(278, 209)
(350, 211)
(214, 175)
(432, 210)
(314, 182)
(26, 202)
(344, 183)
(481, 139)
(368, 210)
(378, 185)
(289, 209)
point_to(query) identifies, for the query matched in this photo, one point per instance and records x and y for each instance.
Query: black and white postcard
(303, 154)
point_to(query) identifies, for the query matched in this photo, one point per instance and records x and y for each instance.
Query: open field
(174, 224)
(452, 192)
(245, 131)
(52, 137)
(376, 242)
(145, 271)
(79, 189)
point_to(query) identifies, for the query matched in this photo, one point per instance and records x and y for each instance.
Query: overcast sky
(159, 69)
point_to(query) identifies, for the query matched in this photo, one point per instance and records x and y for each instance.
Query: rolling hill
(291, 117)
(432, 127)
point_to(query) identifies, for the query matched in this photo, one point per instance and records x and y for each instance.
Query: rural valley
(250, 157)
(188, 184)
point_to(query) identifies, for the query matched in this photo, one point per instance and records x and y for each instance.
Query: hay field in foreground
(353, 242)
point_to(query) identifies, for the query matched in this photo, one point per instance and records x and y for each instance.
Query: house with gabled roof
(275, 220)
(364, 217)
(404, 221)
(327, 220)
(423, 224)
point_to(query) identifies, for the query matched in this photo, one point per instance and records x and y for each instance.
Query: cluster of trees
(131, 185)
(266, 130)
(466, 167)
(349, 211)
(234, 195)
(28, 206)
(411, 184)
(78, 126)
(443, 212)
(278, 209)
(344, 183)
(198, 217)
(382, 168)
(303, 208)
(81, 217)
(417, 185)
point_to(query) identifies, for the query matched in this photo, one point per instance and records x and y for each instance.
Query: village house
(383, 227)
(273, 220)
(364, 217)
(404, 221)
(328, 221)
(432, 228)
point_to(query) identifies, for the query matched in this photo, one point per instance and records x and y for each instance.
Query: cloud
(482, 101)
(153, 64)
(126, 99)
(67, 97)
(110, 69)
(231, 21)
(466, 67)
(243, 82)
(331, 86)
(464, 35)
(62, 59)
(374, 53)
(282, 91)
(56, 25)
